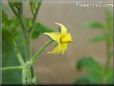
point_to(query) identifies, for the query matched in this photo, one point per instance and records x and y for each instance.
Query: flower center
(65, 39)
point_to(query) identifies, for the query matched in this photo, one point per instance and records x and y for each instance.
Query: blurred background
(60, 69)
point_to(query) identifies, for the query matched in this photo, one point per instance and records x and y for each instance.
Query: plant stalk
(37, 55)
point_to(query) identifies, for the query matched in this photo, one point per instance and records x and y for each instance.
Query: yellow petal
(64, 48)
(63, 28)
(66, 38)
(60, 48)
(54, 35)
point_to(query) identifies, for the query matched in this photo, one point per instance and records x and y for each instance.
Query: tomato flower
(62, 38)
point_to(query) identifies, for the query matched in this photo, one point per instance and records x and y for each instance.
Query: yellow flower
(62, 38)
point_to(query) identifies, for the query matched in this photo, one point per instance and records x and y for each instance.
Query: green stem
(11, 68)
(23, 27)
(18, 54)
(36, 12)
(34, 80)
(108, 58)
(34, 17)
(29, 76)
(108, 55)
(26, 71)
(30, 34)
(108, 49)
(27, 39)
(14, 11)
(23, 76)
(37, 55)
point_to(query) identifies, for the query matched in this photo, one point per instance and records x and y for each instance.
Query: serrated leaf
(94, 25)
(97, 38)
(39, 29)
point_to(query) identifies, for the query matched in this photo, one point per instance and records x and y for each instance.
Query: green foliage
(39, 28)
(97, 38)
(94, 72)
(83, 80)
(9, 59)
(88, 62)
(106, 28)
(35, 5)
(109, 18)
(11, 31)
(94, 25)
(109, 76)
(93, 69)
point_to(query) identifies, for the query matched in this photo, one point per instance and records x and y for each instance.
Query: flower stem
(37, 55)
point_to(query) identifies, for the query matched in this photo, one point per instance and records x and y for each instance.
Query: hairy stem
(23, 76)
(30, 34)
(27, 39)
(37, 55)
(19, 56)
(26, 71)
(11, 68)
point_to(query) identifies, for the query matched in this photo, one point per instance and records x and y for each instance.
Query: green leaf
(87, 62)
(28, 22)
(4, 16)
(39, 29)
(110, 76)
(89, 78)
(94, 25)
(83, 80)
(94, 71)
(9, 59)
(11, 77)
(109, 38)
(98, 38)
(11, 31)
